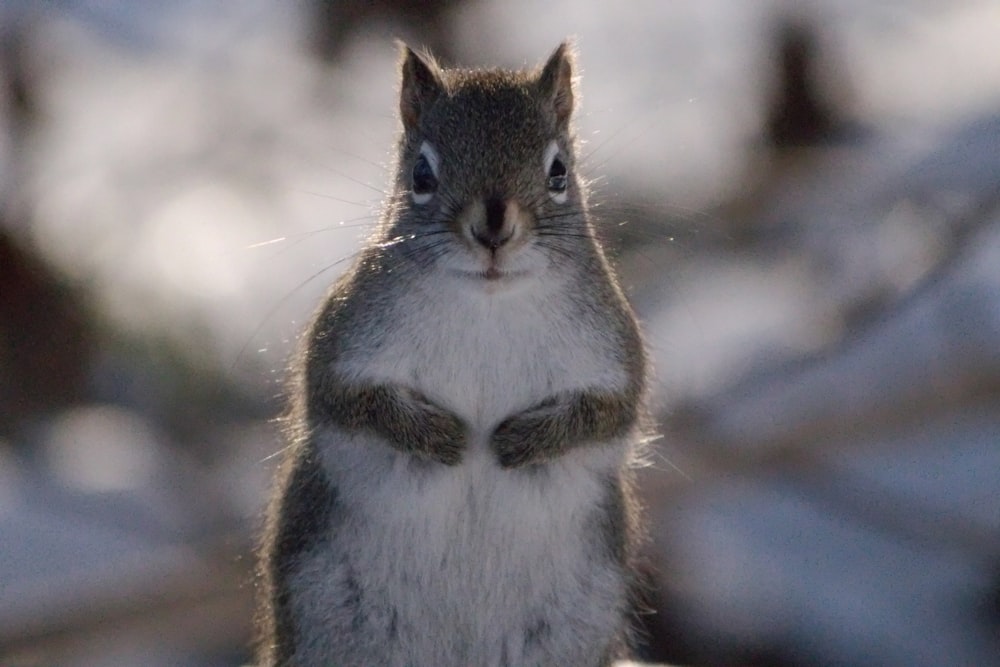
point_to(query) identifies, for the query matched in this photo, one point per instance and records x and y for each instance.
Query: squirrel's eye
(424, 181)
(424, 177)
(557, 177)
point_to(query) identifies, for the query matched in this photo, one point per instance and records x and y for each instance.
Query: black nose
(492, 235)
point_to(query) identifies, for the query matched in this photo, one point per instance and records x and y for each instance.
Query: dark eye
(424, 180)
(557, 177)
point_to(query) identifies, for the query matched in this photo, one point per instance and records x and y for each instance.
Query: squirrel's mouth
(491, 274)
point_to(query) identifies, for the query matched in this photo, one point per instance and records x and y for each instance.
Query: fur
(457, 488)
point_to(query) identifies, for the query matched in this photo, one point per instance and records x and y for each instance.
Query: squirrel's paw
(524, 439)
(442, 436)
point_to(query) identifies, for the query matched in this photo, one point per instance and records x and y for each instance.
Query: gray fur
(457, 489)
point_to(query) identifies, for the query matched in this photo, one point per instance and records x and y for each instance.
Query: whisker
(284, 300)
(367, 204)
(294, 240)
(352, 179)
(335, 149)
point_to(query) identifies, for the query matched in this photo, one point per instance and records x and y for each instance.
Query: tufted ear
(420, 84)
(555, 83)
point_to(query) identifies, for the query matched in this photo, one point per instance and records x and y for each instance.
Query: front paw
(519, 441)
(443, 438)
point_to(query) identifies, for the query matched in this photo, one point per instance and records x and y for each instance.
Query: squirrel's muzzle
(496, 226)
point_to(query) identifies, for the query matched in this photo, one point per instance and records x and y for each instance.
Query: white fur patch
(479, 550)
(486, 355)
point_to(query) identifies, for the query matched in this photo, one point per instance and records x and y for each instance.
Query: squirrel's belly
(474, 558)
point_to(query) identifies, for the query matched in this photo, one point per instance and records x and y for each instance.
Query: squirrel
(466, 406)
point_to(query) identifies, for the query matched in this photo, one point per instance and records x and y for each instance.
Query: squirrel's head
(486, 186)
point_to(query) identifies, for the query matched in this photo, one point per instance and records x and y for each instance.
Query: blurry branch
(940, 346)
(931, 358)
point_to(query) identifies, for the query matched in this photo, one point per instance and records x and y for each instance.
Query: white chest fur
(460, 564)
(487, 355)
(494, 556)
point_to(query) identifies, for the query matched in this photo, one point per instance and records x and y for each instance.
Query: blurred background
(803, 199)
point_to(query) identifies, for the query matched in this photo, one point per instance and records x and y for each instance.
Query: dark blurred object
(423, 23)
(18, 100)
(806, 113)
(800, 111)
(45, 338)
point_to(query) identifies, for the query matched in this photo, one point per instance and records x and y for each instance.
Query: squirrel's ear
(419, 86)
(556, 82)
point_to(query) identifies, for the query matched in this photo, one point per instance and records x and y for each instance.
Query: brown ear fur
(420, 84)
(556, 82)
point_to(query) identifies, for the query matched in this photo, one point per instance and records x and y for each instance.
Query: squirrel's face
(486, 188)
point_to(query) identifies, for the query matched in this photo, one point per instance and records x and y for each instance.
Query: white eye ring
(551, 153)
(428, 153)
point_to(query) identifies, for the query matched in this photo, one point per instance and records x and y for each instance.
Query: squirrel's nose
(493, 231)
